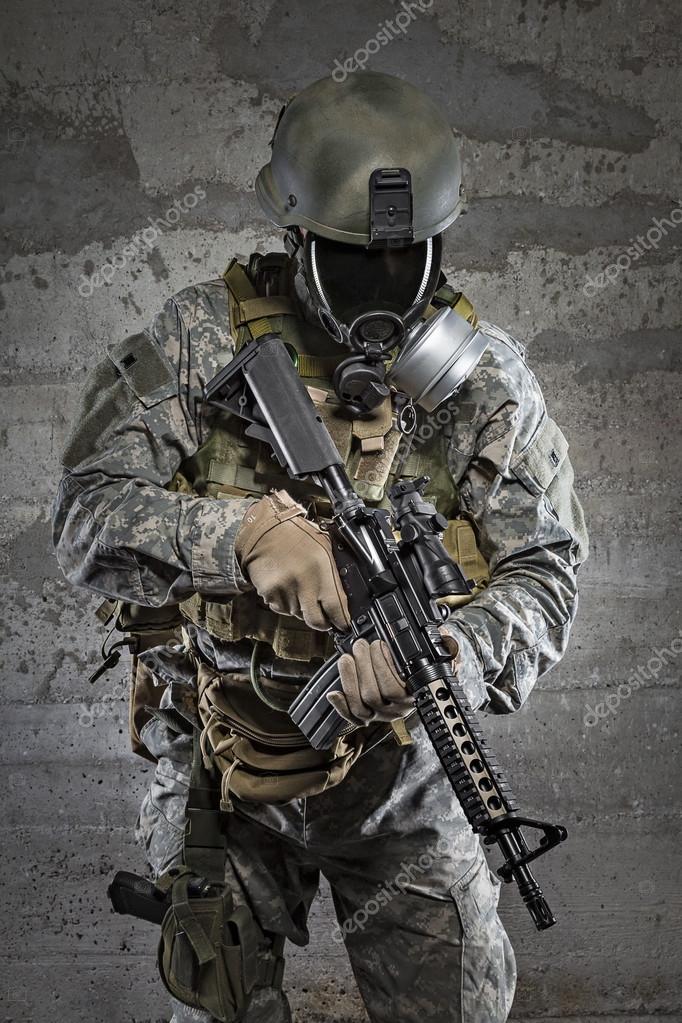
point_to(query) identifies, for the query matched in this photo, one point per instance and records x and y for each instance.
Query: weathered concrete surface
(570, 122)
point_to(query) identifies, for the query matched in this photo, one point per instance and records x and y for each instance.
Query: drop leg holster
(213, 952)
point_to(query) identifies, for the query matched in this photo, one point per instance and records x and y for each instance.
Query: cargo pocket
(161, 821)
(488, 965)
(544, 468)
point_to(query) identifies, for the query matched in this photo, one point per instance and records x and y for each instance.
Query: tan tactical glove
(290, 564)
(372, 688)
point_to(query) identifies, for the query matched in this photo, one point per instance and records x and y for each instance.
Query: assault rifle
(392, 587)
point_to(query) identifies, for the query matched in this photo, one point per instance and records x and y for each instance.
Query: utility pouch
(260, 754)
(144, 628)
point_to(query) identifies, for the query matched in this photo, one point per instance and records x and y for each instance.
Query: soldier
(169, 508)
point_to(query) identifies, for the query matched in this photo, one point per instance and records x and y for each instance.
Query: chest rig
(373, 448)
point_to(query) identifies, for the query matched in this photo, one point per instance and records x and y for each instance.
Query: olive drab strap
(315, 365)
(203, 948)
(446, 295)
(250, 318)
(249, 311)
(204, 841)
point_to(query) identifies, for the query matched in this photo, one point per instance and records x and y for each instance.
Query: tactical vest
(373, 448)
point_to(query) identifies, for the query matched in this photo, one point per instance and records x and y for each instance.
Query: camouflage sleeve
(116, 529)
(509, 461)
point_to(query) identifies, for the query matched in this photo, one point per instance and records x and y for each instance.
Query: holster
(212, 951)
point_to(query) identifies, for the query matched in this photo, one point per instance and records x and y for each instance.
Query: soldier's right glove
(289, 562)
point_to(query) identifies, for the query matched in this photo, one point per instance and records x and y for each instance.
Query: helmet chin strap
(293, 240)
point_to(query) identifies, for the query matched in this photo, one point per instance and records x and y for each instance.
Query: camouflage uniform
(409, 880)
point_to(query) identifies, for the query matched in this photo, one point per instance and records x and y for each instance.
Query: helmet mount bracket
(390, 207)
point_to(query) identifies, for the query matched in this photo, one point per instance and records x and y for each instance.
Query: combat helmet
(365, 176)
(333, 136)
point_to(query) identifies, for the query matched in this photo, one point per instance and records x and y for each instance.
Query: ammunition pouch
(247, 617)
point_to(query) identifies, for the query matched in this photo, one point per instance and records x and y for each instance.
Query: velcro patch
(145, 368)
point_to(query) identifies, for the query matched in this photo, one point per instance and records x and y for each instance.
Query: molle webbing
(247, 617)
(315, 365)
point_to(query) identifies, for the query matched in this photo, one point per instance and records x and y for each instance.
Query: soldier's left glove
(372, 689)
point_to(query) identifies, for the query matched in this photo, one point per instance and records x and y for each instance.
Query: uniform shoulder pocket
(134, 370)
(545, 468)
(145, 368)
(540, 461)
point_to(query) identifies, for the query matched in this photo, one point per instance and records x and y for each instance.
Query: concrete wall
(569, 114)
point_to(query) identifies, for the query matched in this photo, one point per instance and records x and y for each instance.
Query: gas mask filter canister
(437, 357)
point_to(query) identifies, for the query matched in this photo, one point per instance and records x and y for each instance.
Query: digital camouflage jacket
(119, 531)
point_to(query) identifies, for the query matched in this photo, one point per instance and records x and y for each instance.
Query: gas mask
(372, 300)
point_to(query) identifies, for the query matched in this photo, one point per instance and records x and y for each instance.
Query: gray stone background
(569, 114)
